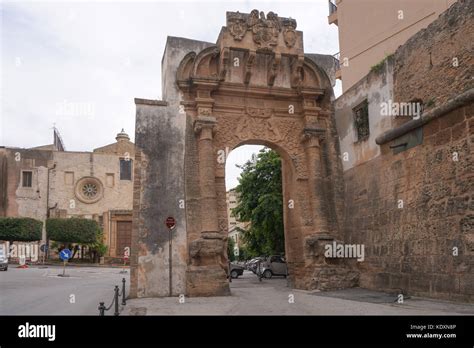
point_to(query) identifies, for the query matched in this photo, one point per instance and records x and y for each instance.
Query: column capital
(313, 136)
(205, 126)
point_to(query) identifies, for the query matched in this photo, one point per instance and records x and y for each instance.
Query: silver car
(3, 258)
(274, 265)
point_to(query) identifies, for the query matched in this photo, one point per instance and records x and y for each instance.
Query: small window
(125, 169)
(110, 180)
(27, 179)
(69, 178)
(361, 120)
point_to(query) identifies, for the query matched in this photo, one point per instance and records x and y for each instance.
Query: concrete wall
(369, 30)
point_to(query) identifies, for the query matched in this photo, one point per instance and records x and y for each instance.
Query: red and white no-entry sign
(170, 222)
(126, 253)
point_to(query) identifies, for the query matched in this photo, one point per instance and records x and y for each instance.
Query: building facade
(48, 181)
(235, 226)
(370, 30)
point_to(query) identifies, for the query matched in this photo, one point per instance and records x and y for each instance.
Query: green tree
(230, 249)
(261, 203)
(72, 230)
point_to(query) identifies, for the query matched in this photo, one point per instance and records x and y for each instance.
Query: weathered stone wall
(410, 249)
(25, 201)
(412, 208)
(63, 170)
(377, 88)
(437, 63)
(159, 187)
(117, 194)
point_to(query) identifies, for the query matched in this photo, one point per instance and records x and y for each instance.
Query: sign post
(171, 224)
(44, 249)
(64, 255)
(126, 255)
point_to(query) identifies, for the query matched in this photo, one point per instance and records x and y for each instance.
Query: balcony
(337, 64)
(332, 18)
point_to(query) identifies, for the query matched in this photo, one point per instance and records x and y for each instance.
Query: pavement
(39, 291)
(274, 297)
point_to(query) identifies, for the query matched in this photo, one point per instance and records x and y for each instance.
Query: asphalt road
(39, 291)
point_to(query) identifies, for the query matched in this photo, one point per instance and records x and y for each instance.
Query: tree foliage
(73, 230)
(261, 203)
(20, 229)
(230, 249)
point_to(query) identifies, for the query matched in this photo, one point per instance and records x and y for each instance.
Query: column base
(206, 281)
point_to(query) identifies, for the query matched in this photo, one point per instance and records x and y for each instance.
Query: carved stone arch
(276, 97)
(186, 67)
(323, 81)
(207, 63)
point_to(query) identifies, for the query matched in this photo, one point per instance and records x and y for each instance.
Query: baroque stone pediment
(267, 33)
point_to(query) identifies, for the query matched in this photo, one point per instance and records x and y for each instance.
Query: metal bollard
(123, 292)
(101, 309)
(116, 299)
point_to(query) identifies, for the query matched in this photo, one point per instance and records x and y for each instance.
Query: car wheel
(267, 274)
(234, 274)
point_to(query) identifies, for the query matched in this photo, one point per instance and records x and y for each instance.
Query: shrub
(73, 230)
(20, 229)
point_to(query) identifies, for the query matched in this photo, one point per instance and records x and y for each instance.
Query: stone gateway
(254, 86)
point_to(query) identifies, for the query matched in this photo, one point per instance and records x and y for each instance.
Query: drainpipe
(48, 209)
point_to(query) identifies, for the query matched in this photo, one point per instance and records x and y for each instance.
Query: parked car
(3, 258)
(236, 270)
(274, 265)
(253, 264)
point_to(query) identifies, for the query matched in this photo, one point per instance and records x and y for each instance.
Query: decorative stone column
(312, 138)
(206, 275)
(204, 128)
(320, 272)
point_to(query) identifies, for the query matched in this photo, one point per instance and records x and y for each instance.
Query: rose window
(89, 189)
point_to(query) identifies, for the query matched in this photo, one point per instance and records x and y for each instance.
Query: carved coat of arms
(237, 26)
(289, 33)
(265, 30)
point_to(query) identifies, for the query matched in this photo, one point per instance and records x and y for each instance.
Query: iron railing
(117, 293)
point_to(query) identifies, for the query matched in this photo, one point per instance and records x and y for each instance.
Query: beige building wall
(66, 177)
(233, 223)
(58, 179)
(370, 30)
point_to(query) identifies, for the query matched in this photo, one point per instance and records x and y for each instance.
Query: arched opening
(257, 217)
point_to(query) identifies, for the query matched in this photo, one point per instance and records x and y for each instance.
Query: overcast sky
(79, 65)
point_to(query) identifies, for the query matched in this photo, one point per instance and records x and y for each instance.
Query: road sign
(44, 248)
(65, 254)
(170, 222)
